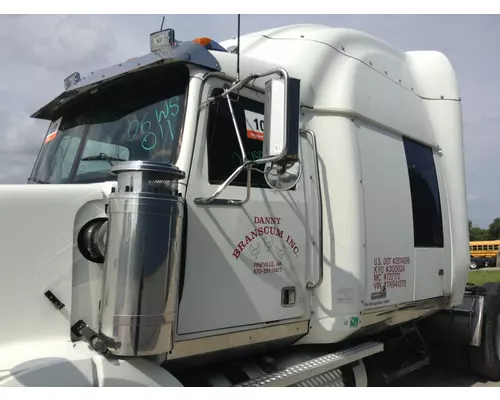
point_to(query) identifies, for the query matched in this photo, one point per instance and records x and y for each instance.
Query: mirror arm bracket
(229, 202)
(282, 73)
(237, 131)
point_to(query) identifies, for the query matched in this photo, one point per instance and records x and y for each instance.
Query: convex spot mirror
(283, 175)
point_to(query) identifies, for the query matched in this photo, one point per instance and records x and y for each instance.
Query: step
(323, 367)
(393, 376)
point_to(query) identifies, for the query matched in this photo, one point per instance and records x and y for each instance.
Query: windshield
(137, 117)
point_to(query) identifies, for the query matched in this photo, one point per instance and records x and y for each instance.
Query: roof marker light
(209, 44)
(203, 41)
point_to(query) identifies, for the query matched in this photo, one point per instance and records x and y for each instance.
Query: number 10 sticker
(255, 125)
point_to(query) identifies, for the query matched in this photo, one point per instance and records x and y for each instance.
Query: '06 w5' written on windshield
(154, 126)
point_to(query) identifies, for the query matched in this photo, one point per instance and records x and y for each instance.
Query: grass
(482, 276)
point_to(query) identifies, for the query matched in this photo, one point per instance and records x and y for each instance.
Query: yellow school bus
(484, 248)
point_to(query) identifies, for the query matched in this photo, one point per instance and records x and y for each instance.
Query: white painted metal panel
(240, 258)
(389, 221)
(428, 282)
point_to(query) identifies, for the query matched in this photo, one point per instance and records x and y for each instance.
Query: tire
(485, 359)
(473, 265)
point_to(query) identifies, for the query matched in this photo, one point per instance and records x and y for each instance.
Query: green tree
(494, 229)
(477, 233)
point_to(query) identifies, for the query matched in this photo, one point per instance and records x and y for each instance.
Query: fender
(37, 244)
(59, 364)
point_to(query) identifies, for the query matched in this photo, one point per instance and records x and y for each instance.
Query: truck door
(248, 264)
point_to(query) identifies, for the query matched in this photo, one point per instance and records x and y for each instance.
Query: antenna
(162, 21)
(238, 53)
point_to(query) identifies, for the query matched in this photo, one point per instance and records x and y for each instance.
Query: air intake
(142, 259)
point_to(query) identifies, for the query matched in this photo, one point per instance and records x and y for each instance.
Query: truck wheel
(485, 359)
(473, 265)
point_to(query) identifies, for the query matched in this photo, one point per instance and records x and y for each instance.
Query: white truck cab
(278, 209)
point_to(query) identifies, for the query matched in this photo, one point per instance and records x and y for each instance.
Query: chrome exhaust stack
(142, 259)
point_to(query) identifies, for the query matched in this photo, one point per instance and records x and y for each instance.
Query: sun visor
(187, 52)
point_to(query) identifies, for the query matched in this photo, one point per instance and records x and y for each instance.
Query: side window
(224, 154)
(426, 202)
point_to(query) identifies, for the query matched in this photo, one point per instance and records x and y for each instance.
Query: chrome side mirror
(281, 120)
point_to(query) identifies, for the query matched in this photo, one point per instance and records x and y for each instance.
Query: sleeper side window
(426, 202)
(224, 154)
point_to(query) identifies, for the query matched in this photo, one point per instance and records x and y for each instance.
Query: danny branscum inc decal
(266, 244)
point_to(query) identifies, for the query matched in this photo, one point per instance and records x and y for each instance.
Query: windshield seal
(140, 116)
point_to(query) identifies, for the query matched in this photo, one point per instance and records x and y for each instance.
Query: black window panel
(224, 154)
(426, 202)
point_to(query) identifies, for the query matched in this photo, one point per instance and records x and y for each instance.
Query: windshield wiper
(103, 157)
(38, 181)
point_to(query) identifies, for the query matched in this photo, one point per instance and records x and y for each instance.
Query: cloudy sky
(39, 51)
